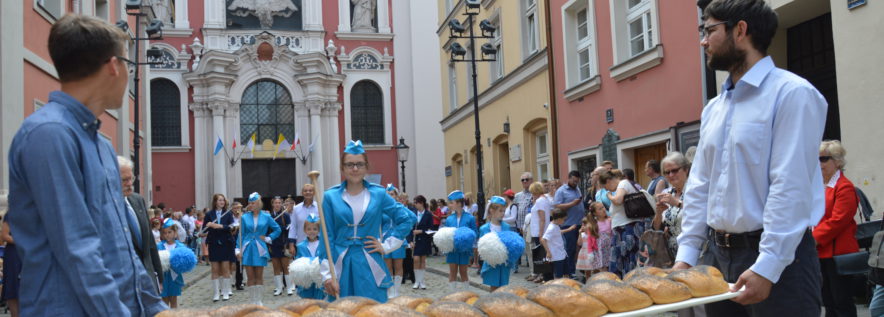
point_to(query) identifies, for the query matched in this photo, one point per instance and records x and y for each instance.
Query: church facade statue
(363, 16)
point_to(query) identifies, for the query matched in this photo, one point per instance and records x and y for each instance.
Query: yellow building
(513, 94)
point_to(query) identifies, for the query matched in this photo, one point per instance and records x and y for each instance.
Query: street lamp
(402, 151)
(458, 54)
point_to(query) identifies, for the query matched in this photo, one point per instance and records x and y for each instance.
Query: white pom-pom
(164, 259)
(305, 272)
(444, 239)
(492, 250)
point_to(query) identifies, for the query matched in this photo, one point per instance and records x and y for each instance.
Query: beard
(729, 58)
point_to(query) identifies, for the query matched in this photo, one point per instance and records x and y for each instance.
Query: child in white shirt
(554, 244)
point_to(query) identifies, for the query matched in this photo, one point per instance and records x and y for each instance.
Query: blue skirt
(356, 278)
(171, 287)
(423, 247)
(462, 258)
(313, 292)
(495, 275)
(397, 254)
(221, 251)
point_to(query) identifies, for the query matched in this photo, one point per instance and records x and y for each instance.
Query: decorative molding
(40, 63)
(170, 149)
(586, 87)
(177, 32)
(639, 63)
(358, 36)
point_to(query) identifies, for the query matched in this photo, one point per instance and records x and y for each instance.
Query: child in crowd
(458, 261)
(172, 281)
(499, 275)
(553, 242)
(596, 239)
(310, 248)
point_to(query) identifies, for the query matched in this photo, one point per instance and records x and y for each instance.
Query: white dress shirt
(757, 166)
(299, 216)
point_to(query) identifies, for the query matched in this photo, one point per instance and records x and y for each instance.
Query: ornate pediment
(241, 13)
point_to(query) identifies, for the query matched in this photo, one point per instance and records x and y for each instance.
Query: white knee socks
(277, 280)
(288, 282)
(216, 284)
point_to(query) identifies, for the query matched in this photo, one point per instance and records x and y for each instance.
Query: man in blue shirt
(67, 209)
(569, 198)
(755, 185)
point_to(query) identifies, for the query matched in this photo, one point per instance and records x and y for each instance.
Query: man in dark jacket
(145, 246)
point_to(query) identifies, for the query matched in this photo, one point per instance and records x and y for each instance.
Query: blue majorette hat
(354, 147)
(455, 195)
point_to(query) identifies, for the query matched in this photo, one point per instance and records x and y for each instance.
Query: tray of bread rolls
(642, 292)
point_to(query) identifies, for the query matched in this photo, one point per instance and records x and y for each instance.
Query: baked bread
(649, 270)
(566, 301)
(325, 312)
(418, 304)
(351, 304)
(662, 290)
(451, 309)
(517, 290)
(304, 306)
(566, 282)
(387, 310)
(702, 280)
(185, 312)
(509, 305)
(604, 276)
(237, 310)
(463, 296)
(618, 296)
(272, 313)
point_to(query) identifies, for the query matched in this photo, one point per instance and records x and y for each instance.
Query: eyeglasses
(526, 180)
(672, 171)
(130, 65)
(824, 159)
(706, 29)
(359, 165)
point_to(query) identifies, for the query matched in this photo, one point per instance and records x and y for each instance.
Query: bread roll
(272, 313)
(604, 276)
(325, 312)
(661, 290)
(509, 305)
(387, 310)
(566, 282)
(304, 306)
(462, 296)
(566, 301)
(236, 310)
(517, 290)
(650, 270)
(702, 280)
(452, 309)
(186, 312)
(618, 296)
(351, 304)
(418, 304)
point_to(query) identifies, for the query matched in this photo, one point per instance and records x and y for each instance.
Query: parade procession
(478, 158)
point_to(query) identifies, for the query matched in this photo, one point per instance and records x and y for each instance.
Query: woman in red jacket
(835, 234)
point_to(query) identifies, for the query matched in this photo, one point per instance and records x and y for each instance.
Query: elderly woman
(675, 168)
(835, 234)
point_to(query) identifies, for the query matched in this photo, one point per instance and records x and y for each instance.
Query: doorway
(811, 54)
(503, 167)
(642, 156)
(269, 177)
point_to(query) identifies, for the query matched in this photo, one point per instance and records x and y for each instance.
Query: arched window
(165, 113)
(367, 113)
(266, 109)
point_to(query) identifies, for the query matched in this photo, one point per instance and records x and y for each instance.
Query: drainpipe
(552, 89)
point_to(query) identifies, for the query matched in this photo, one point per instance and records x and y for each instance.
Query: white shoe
(291, 287)
(277, 280)
(225, 289)
(418, 276)
(216, 284)
(423, 286)
(397, 282)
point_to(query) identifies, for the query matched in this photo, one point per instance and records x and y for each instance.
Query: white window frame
(641, 11)
(577, 84)
(542, 158)
(452, 87)
(461, 179)
(530, 28)
(496, 69)
(626, 62)
(51, 10)
(102, 9)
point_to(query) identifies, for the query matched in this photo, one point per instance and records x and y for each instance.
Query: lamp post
(154, 31)
(458, 54)
(402, 151)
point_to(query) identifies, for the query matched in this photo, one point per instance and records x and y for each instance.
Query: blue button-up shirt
(756, 166)
(68, 216)
(565, 194)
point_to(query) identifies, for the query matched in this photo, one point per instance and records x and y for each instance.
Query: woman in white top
(539, 221)
(627, 231)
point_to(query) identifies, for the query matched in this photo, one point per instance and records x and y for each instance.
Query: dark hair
(629, 174)
(162, 206)
(558, 214)
(604, 176)
(574, 173)
(188, 210)
(80, 45)
(654, 165)
(760, 19)
(422, 200)
(215, 202)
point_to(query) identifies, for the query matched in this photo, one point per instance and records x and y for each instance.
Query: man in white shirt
(755, 186)
(299, 215)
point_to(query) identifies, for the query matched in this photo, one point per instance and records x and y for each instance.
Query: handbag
(657, 243)
(867, 229)
(638, 205)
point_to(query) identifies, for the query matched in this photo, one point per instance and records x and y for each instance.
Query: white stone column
(234, 174)
(181, 21)
(219, 161)
(344, 16)
(312, 15)
(201, 157)
(11, 85)
(330, 115)
(215, 13)
(383, 16)
(316, 134)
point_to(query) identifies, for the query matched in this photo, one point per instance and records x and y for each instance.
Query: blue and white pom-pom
(182, 260)
(305, 272)
(492, 250)
(515, 246)
(464, 239)
(444, 239)
(164, 259)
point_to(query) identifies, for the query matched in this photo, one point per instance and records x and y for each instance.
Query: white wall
(419, 96)
(11, 85)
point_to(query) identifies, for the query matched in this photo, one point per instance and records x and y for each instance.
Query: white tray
(659, 309)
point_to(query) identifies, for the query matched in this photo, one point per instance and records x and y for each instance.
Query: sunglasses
(672, 171)
(824, 159)
(526, 179)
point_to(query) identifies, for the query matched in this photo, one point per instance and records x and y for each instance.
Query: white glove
(391, 244)
(236, 251)
(268, 240)
(325, 270)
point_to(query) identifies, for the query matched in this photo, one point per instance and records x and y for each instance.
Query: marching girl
(311, 248)
(220, 245)
(393, 259)
(353, 213)
(458, 262)
(422, 240)
(499, 275)
(171, 284)
(252, 244)
(277, 249)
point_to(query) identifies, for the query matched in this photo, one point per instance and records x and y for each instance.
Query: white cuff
(687, 254)
(324, 270)
(268, 240)
(391, 244)
(236, 251)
